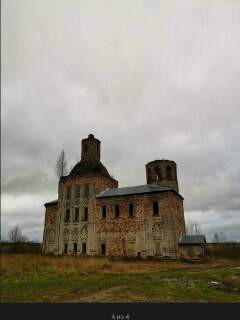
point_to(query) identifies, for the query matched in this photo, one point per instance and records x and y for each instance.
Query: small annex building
(192, 247)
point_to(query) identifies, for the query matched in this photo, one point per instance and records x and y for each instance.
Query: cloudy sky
(150, 79)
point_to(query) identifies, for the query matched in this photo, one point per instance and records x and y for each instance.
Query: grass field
(36, 278)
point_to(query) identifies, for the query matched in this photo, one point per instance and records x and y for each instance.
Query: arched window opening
(158, 174)
(149, 175)
(169, 173)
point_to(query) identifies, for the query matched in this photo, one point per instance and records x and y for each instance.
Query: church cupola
(90, 164)
(162, 173)
(91, 148)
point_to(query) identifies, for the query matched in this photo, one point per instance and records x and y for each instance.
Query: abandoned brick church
(92, 216)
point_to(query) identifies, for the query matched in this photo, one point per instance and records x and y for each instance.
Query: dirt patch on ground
(233, 281)
(104, 295)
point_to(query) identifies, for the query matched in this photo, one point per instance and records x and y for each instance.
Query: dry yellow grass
(63, 264)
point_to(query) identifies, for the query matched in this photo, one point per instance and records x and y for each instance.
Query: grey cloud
(29, 182)
(149, 79)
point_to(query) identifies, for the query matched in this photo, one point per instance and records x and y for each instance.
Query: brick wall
(144, 233)
(57, 232)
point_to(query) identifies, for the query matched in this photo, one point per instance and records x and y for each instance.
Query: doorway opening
(84, 248)
(103, 249)
(75, 247)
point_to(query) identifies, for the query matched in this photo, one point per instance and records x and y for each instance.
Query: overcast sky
(150, 79)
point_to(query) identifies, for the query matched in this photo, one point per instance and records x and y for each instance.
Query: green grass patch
(37, 279)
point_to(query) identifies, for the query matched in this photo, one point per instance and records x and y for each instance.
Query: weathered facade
(92, 216)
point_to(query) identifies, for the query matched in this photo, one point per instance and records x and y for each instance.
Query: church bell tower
(91, 149)
(162, 173)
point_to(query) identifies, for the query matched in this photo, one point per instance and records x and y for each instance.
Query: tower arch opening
(169, 173)
(162, 173)
(158, 174)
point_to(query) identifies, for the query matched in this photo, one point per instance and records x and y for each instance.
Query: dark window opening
(86, 190)
(149, 176)
(131, 208)
(85, 218)
(158, 174)
(117, 211)
(103, 249)
(76, 216)
(77, 191)
(85, 148)
(169, 173)
(75, 247)
(65, 248)
(104, 212)
(139, 254)
(84, 248)
(155, 208)
(67, 215)
(68, 195)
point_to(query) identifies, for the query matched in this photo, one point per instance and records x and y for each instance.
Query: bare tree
(219, 237)
(193, 228)
(61, 165)
(216, 237)
(15, 235)
(223, 237)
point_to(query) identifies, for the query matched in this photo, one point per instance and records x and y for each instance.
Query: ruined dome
(90, 167)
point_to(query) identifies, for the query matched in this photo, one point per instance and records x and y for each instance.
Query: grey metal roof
(51, 203)
(195, 239)
(146, 188)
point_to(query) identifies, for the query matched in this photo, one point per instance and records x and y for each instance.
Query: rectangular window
(75, 247)
(86, 190)
(76, 215)
(77, 192)
(104, 212)
(117, 211)
(131, 208)
(68, 194)
(85, 217)
(84, 248)
(65, 248)
(103, 249)
(155, 208)
(67, 215)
